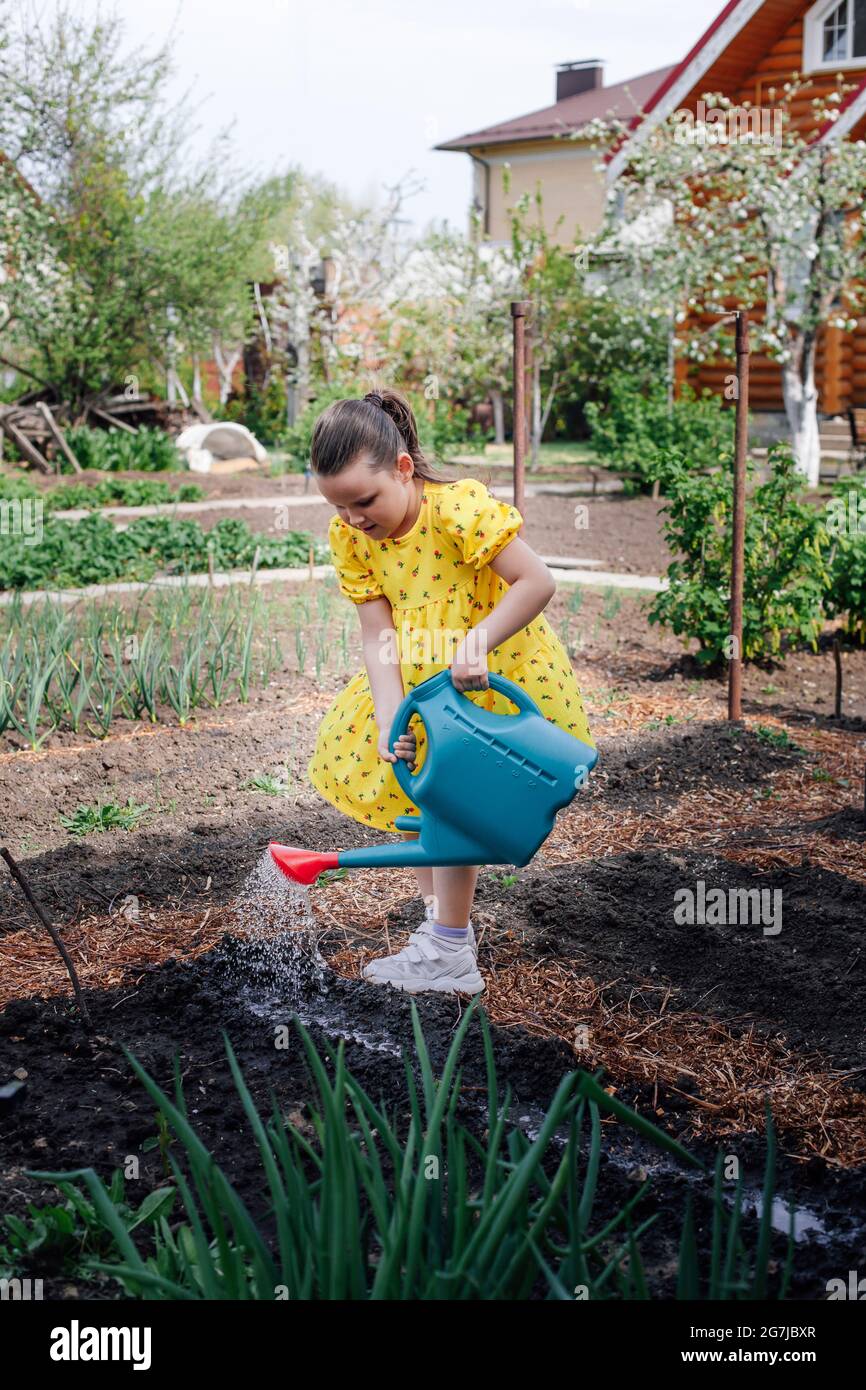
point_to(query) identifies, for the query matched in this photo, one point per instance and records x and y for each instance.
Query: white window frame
(813, 39)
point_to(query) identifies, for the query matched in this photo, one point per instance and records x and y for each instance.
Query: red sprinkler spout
(302, 865)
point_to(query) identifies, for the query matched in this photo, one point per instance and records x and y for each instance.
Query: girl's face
(373, 500)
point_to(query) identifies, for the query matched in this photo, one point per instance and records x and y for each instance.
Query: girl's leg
(423, 875)
(453, 891)
(450, 888)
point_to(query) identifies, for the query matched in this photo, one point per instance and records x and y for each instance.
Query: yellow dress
(438, 581)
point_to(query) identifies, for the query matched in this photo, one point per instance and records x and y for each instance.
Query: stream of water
(273, 916)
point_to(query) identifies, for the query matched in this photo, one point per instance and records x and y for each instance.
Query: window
(835, 35)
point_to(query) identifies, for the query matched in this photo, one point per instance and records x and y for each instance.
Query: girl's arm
(532, 586)
(381, 653)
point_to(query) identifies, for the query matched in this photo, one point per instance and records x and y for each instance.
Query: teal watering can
(489, 790)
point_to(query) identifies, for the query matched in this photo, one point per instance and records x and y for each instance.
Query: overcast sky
(362, 91)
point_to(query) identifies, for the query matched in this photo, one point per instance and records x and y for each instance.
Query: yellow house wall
(570, 187)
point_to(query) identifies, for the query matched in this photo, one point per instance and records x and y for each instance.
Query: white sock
(453, 936)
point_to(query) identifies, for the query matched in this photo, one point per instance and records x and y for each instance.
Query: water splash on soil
(280, 969)
(631, 1154)
(272, 915)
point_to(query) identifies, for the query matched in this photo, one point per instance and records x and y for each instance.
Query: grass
(560, 454)
(268, 785)
(90, 820)
(369, 1205)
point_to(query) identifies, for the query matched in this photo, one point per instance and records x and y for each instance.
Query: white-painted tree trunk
(225, 365)
(498, 416)
(801, 408)
(196, 377)
(536, 410)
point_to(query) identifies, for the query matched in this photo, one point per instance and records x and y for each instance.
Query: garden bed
(693, 1025)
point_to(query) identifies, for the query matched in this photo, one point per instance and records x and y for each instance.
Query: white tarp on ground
(222, 439)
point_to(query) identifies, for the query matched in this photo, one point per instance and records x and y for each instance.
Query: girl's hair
(381, 426)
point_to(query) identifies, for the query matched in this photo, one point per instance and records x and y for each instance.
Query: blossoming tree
(766, 216)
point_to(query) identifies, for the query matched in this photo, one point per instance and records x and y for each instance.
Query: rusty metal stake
(738, 538)
(519, 310)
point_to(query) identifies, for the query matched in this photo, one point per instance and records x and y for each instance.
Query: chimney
(572, 78)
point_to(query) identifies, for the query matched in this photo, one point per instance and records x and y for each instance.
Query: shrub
(298, 438)
(449, 432)
(846, 522)
(262, 410)
(785, 576)
(638, 430)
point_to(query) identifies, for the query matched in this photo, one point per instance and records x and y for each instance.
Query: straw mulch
(731, 1073)
(107, 951)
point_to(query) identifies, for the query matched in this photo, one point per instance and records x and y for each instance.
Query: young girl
(441, 579)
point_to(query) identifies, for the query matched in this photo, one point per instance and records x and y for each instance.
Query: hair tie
(375, 399)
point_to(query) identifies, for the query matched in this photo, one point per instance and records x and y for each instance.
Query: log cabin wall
(769, 51)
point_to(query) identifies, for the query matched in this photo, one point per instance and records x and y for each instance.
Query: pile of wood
(36, 427)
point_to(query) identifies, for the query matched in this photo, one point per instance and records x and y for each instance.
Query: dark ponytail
(381, 426)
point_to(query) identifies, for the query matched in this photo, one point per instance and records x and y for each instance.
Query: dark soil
(614, 918)
(807, 982)
(651, 769)
(83, 1106)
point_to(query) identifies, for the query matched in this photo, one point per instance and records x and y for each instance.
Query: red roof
(564, 117)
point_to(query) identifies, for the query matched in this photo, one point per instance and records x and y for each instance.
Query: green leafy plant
(362, 1211)
(93, 551)
(88, 820)
(117, 451)
(68, 1236)
(776, 738)
(268, 784)
(785, 575)
(119, 492)
(332, 875)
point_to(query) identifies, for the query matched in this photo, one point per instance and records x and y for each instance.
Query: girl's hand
(404, 747)
(469, 673)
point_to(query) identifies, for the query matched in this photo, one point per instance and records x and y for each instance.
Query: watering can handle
(412, 783)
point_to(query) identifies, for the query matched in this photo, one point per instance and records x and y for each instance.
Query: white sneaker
(427, 962)
(471, 937)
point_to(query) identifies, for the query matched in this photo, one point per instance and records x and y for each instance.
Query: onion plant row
(169, 655)
(363, 1204)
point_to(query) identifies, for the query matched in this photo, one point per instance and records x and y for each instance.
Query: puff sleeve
(356, 579)
(481, 524)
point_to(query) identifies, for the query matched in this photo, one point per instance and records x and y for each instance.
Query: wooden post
(519, 309)
(738, 538)
(27, 448)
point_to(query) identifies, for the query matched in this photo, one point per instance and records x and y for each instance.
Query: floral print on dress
(437, 579)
